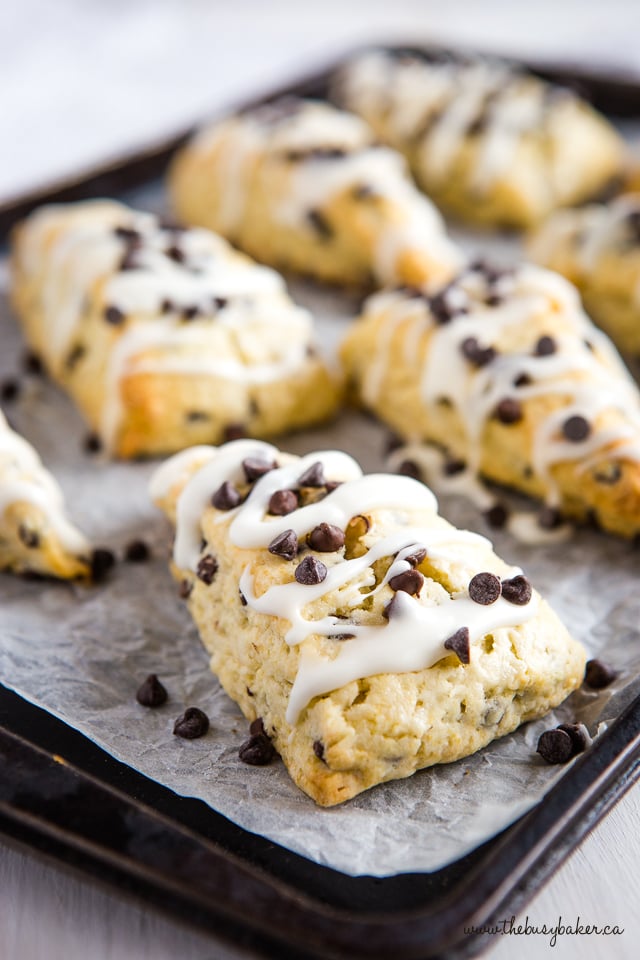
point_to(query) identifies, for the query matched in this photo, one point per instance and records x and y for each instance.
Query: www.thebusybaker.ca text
(553, 931)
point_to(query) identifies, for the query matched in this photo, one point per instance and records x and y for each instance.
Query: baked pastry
(35, 534)
(598, 249)
(370, 636)
(504, 372)
(165, 337)
(303, 186)
(491, 143)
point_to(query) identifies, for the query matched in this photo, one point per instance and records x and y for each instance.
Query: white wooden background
(83, 78)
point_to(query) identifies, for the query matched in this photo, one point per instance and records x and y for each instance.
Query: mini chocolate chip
(256, 727)
(92, 443)
(226, 497)
(458, 643)
(576, 429)
(102, 561)
(417, 557)
(207, 569)
(190, 313)
(74, 356)
(196, 416)
(151, 693)
(30, 538)
(128, 234)
(235, 431)
(10, 390)
(545, 346)
(219, 303)
(114, 316)
(497, 516)
(332, 485)
(326, 538)
(283, 502)
(243, 599)
(522, 380)
(598, 674)
(555, 746)
(129, 260)
(475, 354)
(493, 300)
(137, 552)
(409, 468)
(443, 310)
(320, 224)
(409, 581)
(517, 590)
(254, 468)
(192, 724)
(452, 467)
(175, 253)
(32, 364)
(549, 518)
(257, 751)
(608, 473)
(313, 476)
(391, 608)
(167, 306)
(508, 411)
(310, 571)
(318, 749)
(484, 588)
(185, 589)
(578, 735)
(285, 545)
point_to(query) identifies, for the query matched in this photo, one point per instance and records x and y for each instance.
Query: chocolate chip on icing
(283, 502)
(517, 590)
(207, 569)
(391, 608)
(326, 538)
(555, 746)
(151, 692)
(458, 643)
(576, 429)
(175, 253)
(310, 571)
(320, 224)
(257, 751)
(114, 316)
(578, 734)
(254, 468)
(191, 312)
(226, 497)
(137, 551)
(549, 518)
(598, 674)
(192, 724)
(409, 581)
(127, 233)
(219, 303)
(508, 411)
(545, 346)
(497, 516)
(484, 588)
(285, 545)
(443, 310)
(313, 476)
(417, 557)
(522, 380)
(475, 354)
(102, 561)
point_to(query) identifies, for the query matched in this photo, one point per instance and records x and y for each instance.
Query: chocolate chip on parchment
(578, 734)
(458, 643)
(576, 429)
(484, 588)
(102, 561)
(310, 571)
(326, 538)
(555, 746)
(92, 443)
(508, 411)
(409, 581)
(151, 692)
(313, 476)
(254, 468)
(517, 590)
(10, 390)
(497, 516)
(137, 551)
(185, 589)
(285, 545)
(475, 354)
(283, 502)
(192, 724)
(545, 347)
(226, 497)
(207, 569)
(598, 675)
(257, 751)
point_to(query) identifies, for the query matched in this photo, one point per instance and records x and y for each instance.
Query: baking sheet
(81, 652)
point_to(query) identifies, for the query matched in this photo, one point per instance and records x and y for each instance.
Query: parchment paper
(81, 653)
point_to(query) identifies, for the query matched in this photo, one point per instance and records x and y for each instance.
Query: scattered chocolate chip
(545, 347)
(30, 538)
(475, 354)
(555, 746)
(207, 569)
(497, 516)
(549, 518)
(443, 310)
(417, 557)
(608, 473)
(409, 468)
(175, 253)
(32, 364)
(391, 608)
(310, 571)
(283, 502)
(137, 552)
(243, 599)
(576, 429)
(508, 411)
(285, 545)
(254, 468)
(318, 749)
(92, 443)
(320, 224)
(452, 467)
(114, 316)
(598, 674)
(226, 497)
(326, 538)
(192, 724)
(219, 303)
(517, 590)
(313, 476)
(522, 380)
(9, 390)
(484, 588)
(151, 693)
(458, 643)
(578, 734)
(235, 431)
(409, 581)
(257, 751)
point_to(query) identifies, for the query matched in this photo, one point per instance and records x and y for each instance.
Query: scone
(489, 142)
(598, 249)
(305, 187)
(164, 337)
(505, 373)
(35, 534)
(370, 636)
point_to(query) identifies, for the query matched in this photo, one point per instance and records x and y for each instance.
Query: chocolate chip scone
(490, 142)
(504, 372)
(164, 337)
(35, 534)
(305, 187)
(370, 636)
(598, 249)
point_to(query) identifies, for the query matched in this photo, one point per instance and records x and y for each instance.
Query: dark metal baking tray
(62, 795)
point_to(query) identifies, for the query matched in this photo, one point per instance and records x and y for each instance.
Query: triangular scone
(305, 187)
(491, 143)
(598, 249)
(35, 534)
(165, 337)
(370, 636)
(504, 371)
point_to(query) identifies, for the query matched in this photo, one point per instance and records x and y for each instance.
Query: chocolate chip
(484, 588)
(443, 310)
(102, 561)
(313, 476)
(555, 746)
(243, 599)
(167, 306)
(608, 473)
(342, 636)
(190, 313)
(196, 416)
(219, 303)
(151, 693)
(326, 538)
(598, 674)
(283, 502)
(137, 552)
(285, 545)
(417, 557)
(192, 724)
(185, 589)
(391, 608)
(30, 538)
(578, 735)
(254, 468)
(257, 751)
(175, 253)
(493, 300)
(452, 467)
(508, 411)
(522, 380)
(475, 354)
(114, 316)
(549, 518)
(318, 749)
(409, 581)
(576, 429)
(517, 590)
(128, 233)
(409, 468)
(32, 364)
(207, 569)
(10, 390)
(226, 497)
(256, 727)
(129, 261)
(235, 431)
(497, 516)
(92, 443)
(392, 443)
(74, 356)
(320, 224)
(545, 347)
(458, 643)
(310, 571)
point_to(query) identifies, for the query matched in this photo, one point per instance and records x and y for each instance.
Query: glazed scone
(164, 337)
(370, 636)
(304, 187)
(504, 372)
(35, 534)
(489, 142)
(598, 249)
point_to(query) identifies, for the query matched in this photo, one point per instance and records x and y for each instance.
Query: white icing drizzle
(412, 639)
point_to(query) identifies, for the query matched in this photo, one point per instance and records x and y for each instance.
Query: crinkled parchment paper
(81, 652)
